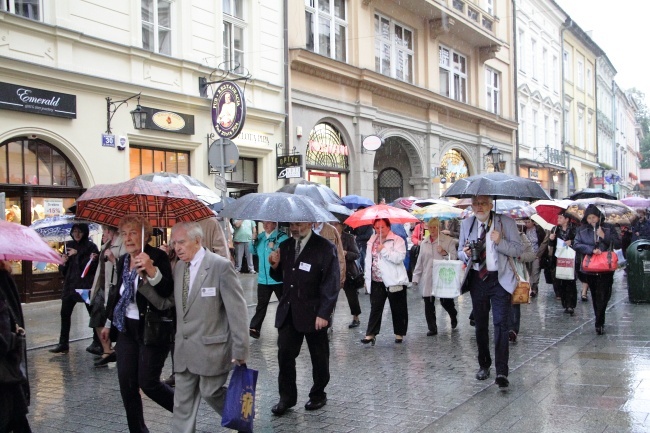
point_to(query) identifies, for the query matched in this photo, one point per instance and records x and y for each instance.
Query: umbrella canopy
(339, 211)
(636, 202)
(218, 207)
(428, 202)
(277, 206)
(542, 222)
(591, 193)
(367, 216)
(614, 211)
(162, 204)
(548, 210)
(514, 208)
(57, 228)
(18, 242)
(353, 201)
(319, 193)
(201, 190)
(403, 202)
(497, 186)
(440, 211)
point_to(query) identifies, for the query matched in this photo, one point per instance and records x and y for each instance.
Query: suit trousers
(430, 310)
(190, 388)
(264, 292)
(289, 344)
(139, 367)
(398, 308)
(485, 295)
(601, 291)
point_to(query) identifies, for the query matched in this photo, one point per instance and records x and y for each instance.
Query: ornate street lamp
(138, 115)
(496, 159)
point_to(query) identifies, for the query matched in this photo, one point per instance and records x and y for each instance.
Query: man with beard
(308, 267)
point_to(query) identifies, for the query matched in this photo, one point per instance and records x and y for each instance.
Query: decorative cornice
(440, 26)
(488, 52)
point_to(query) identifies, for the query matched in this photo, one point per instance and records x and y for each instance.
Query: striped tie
(482, 267)
(186, 285)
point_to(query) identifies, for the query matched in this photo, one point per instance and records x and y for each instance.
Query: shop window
(245, 171)
(35, 162)
(146, 160)
(453, 166)
(326, 149)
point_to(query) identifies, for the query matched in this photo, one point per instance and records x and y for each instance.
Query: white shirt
(491, 255)
(194, 265)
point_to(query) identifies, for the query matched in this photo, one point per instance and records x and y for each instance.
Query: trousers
(264, 292)
(398, 308)
(601, 291)
(430, 310)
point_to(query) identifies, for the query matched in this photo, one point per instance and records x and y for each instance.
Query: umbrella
(367, 216)
(339, 211)
(514, 208)
(162, 204)
(439, 211)
(428, 202)
(636, 202)
(319, 193)
(548, 210)
(201, 190)
(614, 211)
(542, 222)
(218, 207)
(353, 201)
(497, 186)
(277, 206)
(591, 193)
(18, 242)
(403, 202)
(57, 228)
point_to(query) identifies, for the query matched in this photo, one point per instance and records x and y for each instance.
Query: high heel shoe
(369, 340)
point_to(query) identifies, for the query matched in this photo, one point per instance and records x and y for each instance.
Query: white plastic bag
(565, 266)
(447, 278)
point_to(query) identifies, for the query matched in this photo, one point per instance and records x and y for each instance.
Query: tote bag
(447, 278)
(392, 274)
(565, 266)
(239, 405)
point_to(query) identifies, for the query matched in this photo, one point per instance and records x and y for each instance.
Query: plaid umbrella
(439, 211)
(162, 204)
(201, 190)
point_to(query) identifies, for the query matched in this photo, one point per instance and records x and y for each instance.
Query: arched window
(453, 166)
(389, 184)
(325, 148)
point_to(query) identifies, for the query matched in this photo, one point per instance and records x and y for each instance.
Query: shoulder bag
(158, 327)
(521, 295)
(606, 261)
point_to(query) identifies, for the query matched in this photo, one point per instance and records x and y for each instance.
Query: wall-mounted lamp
(138, 115)
(496, 159)
(555, 177)
(298, 131)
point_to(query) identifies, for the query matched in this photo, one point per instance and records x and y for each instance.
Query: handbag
(392, 274)
(355, 276)
(565, 265)
(447, 278)
(158, 327)
(13, 365)
(521, 294)
(239, 405)
(607, 261)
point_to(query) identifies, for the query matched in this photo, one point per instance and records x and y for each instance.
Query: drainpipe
(516, 81)
(287, 102)
(567, 24)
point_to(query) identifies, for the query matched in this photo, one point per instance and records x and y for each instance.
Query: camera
(476, 247)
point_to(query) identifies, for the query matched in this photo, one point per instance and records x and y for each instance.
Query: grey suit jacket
(213, 329)
(509, 246)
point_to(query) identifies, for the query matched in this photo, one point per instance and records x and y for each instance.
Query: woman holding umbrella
(595, 237)
(385, 279)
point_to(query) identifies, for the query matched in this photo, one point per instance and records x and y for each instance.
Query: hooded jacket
(75, 265)
(586, 240)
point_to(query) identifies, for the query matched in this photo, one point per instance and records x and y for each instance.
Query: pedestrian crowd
(185, 298)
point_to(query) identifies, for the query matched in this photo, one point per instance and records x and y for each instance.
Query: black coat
(75, 265)
(585, 241)
(164, 288)
(309, 292)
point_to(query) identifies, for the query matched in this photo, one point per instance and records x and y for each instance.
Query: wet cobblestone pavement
(563, 377)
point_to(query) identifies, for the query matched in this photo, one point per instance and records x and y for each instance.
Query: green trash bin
(638, 271)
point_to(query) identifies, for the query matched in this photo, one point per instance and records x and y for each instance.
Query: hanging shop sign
(289, 166)
(169, 121)
(228, 110)
(37, 101)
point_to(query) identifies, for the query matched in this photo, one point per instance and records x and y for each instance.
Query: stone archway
(398, 153)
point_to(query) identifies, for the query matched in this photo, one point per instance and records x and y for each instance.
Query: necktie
(186, 285)
(482, 267)
(295, 257)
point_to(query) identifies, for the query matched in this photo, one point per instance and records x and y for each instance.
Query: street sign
(108, 140)
(220, 183)
(229, 155)
(288, 166)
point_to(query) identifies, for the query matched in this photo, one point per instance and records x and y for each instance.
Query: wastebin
(638, 271)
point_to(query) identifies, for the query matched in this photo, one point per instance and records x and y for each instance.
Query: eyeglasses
(480, 204)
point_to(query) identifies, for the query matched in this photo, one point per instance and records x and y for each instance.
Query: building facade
(626, 151)
(59, 65)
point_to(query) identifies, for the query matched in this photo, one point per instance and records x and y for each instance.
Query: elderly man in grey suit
(487, 241)
(212, 326)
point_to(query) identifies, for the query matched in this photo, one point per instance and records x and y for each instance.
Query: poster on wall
(53, 206)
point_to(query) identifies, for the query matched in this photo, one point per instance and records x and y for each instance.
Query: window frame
(452, 73)
(394, 49)
(140, 149)
(312, 8)
(493, 92)
(156, 27)
(233, 24)
(10, 7)
(581, 72)
(533, 58)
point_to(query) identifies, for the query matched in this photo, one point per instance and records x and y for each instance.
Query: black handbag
(158, 327)
(355, 276)
(13, 366)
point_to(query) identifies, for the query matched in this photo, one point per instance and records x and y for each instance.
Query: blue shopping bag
(239, 407)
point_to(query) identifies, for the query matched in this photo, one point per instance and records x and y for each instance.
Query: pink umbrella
(365, 217)
(18, 242)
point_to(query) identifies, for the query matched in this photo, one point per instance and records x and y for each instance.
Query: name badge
(208, 291)
(304, 266)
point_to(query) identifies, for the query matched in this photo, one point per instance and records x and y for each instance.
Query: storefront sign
(289, 166)
(169, 121)
(37, 101)
(53, 206)
(228, 110)
(598, 181)
(332, 149)
(533, 173)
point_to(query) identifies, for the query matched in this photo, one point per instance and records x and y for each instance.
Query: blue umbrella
(353, 201)
(57, 228)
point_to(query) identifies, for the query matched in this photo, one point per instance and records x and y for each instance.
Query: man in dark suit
(308, 267)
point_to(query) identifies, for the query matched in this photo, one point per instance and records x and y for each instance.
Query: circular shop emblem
(228, 110)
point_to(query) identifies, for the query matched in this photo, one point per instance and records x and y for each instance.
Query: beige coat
(330, 233)
(214, 239)
(423, 272)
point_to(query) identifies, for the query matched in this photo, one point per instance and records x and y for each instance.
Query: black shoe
(512, 336)
(315, 404)
(502, 381)
(399, 340)
(254, 333)
(369, 340)
(280, 408)
(533, 293)
(483, 373)
(472, 322)
(60, 348)
(432, 332)
(600, 330)
(354, 324)
(171, 380)
(570, 311)
(454, 322)
(95, 349)
(112, 357)
(584, 298)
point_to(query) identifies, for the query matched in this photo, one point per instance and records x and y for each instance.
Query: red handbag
(607, 261)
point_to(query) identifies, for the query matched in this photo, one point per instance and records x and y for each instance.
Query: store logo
(228, 110)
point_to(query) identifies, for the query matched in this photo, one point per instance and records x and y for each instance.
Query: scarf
(128, 280)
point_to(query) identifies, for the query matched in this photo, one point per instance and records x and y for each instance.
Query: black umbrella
(319, 193)
(276, 206)
(339, 211)
(591, 193)
(497, 186)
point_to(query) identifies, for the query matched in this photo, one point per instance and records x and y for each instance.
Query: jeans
(485, 295)
(241, 250)
(264, 292)
(515, 318)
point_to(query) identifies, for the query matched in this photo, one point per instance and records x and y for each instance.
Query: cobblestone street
(563, 377)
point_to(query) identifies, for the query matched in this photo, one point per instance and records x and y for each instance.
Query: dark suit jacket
(307, 293)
